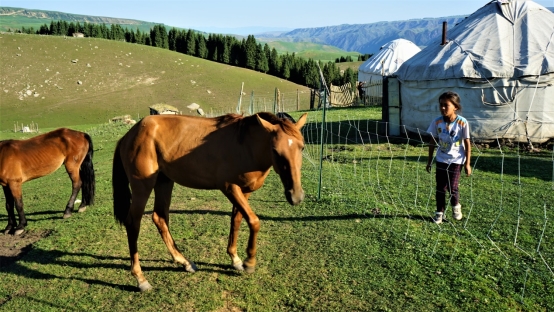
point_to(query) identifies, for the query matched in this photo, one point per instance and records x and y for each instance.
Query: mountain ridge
(70, 17)
(362, 38)
(369, 38)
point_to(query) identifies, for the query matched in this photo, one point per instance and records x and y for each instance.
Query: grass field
(55, 81)
(307, 50)
(11, 21)
(366, 245)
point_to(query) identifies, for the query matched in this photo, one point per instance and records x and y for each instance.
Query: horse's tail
(86, 173)
(120, 186)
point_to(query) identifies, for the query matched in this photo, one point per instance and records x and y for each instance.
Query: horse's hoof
(18, 232)
(66, 215)
(238, 266)
(82, 209)
(249, 270)
(7, 231)
(191, 268)
(145, 286)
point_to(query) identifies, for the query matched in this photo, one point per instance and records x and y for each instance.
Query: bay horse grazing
(25, 160)
(231, 153)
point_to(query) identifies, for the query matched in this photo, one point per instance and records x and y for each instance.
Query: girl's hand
(428, 168)
(468, 169)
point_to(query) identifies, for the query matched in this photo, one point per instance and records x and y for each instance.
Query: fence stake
(240, 98)
(297, 100)
(251, 109)
(275, 102)
(321, 144)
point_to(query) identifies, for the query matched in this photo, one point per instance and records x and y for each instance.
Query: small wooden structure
(163, 109)
(126, 119)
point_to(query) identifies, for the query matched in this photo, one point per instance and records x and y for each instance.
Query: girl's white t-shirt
(451, 135)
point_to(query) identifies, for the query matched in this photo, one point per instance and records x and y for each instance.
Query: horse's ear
(301, 121)
(266, 124)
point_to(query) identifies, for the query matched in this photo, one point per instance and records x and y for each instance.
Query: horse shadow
(312, 218)
(55, 257)
(35, 216)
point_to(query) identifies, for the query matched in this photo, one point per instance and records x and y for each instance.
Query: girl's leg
(453, 181)
(441, 179)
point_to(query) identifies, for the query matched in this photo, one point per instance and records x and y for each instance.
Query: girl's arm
(431, 150)
(467, 145)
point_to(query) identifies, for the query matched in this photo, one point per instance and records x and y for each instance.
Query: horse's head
(287, 144)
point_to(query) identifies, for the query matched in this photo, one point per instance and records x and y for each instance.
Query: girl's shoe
(457, 212)
(438, 217)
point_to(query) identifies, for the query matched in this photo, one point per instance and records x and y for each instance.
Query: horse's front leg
(75, 187)
(10, 209)
(241, 209)
(236, 219)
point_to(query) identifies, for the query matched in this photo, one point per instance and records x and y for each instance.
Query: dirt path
(13, 248)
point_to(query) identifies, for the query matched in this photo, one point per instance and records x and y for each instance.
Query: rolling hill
(56, 81)
(314, 51)
(15, 18)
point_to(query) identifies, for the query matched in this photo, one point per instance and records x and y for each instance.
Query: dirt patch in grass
(13, 247)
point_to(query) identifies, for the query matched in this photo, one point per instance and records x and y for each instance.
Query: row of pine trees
(226, 49)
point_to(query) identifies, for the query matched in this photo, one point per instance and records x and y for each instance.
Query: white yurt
(384, 63)
(500, 60)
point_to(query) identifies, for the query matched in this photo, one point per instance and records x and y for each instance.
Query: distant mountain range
(368, 38)
(362, 38)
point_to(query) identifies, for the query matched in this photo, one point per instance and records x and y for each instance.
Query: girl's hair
(453, 97)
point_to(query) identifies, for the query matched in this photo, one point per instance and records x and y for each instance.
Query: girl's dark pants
(447, 178)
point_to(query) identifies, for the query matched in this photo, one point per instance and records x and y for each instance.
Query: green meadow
(55, 81)
(361, 241)
(315, 51)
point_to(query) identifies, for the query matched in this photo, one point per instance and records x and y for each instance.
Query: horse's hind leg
(160, 216)
(72, 169)
(14, 196)
(140, 194)
(10, 209)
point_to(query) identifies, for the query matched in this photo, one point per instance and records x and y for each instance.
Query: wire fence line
(251, 103)
(507, 201)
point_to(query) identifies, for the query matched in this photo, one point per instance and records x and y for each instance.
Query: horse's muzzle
(294, 197)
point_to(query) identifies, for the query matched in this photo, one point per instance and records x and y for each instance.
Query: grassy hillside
(88, 81)
(15, 18)
(314, 51)
(353, 65)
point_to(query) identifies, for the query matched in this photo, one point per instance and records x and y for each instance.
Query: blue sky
(214, 15)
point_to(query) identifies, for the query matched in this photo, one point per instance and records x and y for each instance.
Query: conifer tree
(250, 52)
(201, 49)
(226, 53)
(172, 39)
(261, 60)
(191, 43)
(274, 63)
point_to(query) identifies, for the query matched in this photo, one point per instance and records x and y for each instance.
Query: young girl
(454, 151)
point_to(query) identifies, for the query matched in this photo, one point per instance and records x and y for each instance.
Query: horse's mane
(246, 122)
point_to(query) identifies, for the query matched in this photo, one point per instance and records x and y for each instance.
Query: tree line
(226, 49)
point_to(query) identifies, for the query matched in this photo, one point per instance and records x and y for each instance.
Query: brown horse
(25, 160)
(231, 153)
